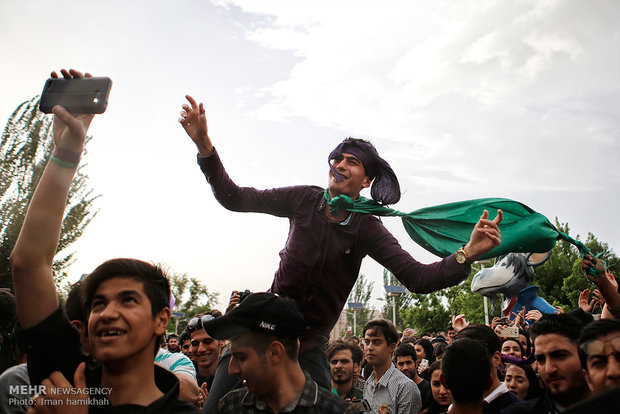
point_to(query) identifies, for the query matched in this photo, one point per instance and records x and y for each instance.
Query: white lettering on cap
(270, 326)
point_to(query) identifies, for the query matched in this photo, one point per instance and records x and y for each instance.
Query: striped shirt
(175, 362)
(394, 393)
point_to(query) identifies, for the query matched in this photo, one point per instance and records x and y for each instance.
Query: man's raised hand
(194, 121)
(485, 236)
(70, 130)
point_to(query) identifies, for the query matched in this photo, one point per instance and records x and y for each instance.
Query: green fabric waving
(443, 229)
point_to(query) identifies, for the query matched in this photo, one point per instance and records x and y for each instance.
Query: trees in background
(361, 293)
(25, 148)
(191, 296)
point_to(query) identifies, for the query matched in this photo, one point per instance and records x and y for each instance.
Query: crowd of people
(106, 349)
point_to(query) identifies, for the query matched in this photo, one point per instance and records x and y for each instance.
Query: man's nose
(109, 312)
(233, 367)
(613, 367)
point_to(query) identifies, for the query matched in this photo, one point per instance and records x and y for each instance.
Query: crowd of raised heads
(530, 363)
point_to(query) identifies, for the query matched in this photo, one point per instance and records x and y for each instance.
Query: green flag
(443, 229)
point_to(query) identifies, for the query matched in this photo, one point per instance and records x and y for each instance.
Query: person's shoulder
(183, 407)
(327, 402)
(232, 401)
(534, 406)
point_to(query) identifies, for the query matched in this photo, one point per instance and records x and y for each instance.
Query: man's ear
(275, 352)
(366, 181)
(81, 327)
(161, 321)
(496, 359)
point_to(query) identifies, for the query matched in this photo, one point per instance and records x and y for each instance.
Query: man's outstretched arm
(33, 254)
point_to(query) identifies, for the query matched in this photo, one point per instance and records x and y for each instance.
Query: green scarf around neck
(444, 229)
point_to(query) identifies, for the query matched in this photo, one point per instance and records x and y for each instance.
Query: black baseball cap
(264, 313)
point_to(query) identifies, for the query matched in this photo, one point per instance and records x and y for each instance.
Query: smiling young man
(556, 349)
(263, 332)
(387, 389)
(126, 300)
(205, 351)
(325, 247)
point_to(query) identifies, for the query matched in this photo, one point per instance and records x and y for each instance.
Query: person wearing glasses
(205, 350)
(599, 346)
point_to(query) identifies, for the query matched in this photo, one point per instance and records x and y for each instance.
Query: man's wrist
(65, 158)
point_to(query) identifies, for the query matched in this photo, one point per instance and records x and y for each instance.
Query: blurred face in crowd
(406, 365)
(173, 343)
(511, 348)
(341, 367)
(420, 352)
(559, 367)
(523, 341)
(377, 350)
(440, 393)
(186, 348)
(517, 381)
(603, 362)
(451, 335)
(206, 351)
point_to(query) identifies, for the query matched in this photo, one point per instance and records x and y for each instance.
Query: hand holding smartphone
(88, 95)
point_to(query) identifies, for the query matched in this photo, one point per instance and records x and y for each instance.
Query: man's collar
(501, 389)
(307, 398)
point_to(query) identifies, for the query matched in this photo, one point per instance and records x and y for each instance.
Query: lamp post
(354, 306)
(394, 291)
(485, 300)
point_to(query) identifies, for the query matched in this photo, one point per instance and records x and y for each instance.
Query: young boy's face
(121, 323)
(377, 350)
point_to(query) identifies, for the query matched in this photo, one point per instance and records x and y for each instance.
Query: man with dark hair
(556, 349)
(127, 302)
(342, 366)
(406, 361)
(465, 370)
(173, 343)
(185, 344)
(387, 388)
(497, 396)
(205, 350)
(327, 242)
(263, 332)
(599, 346)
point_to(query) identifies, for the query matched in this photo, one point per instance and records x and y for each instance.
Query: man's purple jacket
(321, 259)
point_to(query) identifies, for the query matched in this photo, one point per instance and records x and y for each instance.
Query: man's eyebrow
(352, 157)
(128, 292)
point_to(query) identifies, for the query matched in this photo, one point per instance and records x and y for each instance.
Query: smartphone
(361, 406)
(78, 96)
(424, 363)
(509, 332)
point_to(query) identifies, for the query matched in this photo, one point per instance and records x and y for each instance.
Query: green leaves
(25, 148)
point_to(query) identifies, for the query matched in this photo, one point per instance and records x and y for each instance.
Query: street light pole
(394, 310)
